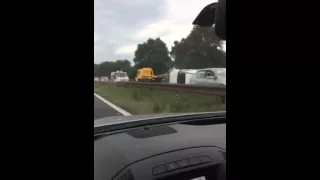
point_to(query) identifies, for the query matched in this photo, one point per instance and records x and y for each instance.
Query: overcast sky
(119, 25)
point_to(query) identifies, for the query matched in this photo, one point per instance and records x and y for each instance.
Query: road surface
(102, 109)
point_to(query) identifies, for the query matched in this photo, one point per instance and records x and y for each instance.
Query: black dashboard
(177, 151)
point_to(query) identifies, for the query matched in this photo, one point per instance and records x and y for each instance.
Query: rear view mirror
(206, 17)
(214, 13)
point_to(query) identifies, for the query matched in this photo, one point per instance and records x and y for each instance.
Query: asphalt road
(102, 110)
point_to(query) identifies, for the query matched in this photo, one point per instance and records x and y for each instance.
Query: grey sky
(120, 25)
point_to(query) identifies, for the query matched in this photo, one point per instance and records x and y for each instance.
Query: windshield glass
(120, 74)
(138, 37)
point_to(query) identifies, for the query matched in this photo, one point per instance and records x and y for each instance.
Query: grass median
(147, 101)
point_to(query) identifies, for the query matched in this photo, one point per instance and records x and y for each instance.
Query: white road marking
(120, 110)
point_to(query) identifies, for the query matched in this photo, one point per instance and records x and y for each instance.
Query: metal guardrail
(209, 90)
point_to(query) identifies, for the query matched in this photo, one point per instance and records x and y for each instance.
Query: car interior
(188, 150)
(178, 151)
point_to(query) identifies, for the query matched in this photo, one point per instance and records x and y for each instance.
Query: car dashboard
(179, 151)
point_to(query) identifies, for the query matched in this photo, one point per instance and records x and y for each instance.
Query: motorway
(102, 110)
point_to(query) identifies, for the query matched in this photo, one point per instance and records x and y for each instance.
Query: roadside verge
(137, 100)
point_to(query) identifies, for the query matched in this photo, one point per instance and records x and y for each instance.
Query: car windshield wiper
(197, 118)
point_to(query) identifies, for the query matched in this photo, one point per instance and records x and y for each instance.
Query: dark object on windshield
(214, 14)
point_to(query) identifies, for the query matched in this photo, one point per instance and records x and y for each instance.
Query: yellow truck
(146, 75)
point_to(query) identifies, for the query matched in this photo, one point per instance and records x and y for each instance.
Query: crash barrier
(209, 90)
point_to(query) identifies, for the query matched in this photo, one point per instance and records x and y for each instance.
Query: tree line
(200, 49)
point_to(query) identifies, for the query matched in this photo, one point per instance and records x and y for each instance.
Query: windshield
(120, 74)
(137, 37)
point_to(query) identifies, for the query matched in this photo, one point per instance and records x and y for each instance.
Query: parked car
(210, 76)
(104, 79)
(96, 79)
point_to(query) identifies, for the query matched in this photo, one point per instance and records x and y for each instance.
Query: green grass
(148, 101)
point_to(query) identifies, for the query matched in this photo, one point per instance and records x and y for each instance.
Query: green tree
(200, 49)
(153, 54)
(95, 69)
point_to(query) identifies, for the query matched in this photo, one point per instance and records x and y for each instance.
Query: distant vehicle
(104, 79)
(96, 79)
(146, 75)
(210, 76)
(119, 76)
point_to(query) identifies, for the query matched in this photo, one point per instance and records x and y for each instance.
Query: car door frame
(214, 81)
(200, 81)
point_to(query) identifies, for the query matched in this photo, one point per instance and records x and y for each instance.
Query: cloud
(126, 49)
(96, 37)
(115, 24)
(120, 25)
(177, 22)
(168, 30)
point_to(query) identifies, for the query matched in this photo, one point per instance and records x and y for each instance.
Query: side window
(210, 73)
(201, 74)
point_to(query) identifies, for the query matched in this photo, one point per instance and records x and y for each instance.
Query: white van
(119, 76)
(181, 76)
(210, 76)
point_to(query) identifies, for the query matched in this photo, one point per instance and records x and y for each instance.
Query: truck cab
(146, 75)
(210, 76)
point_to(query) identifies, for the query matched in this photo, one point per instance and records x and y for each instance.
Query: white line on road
(120, 110)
